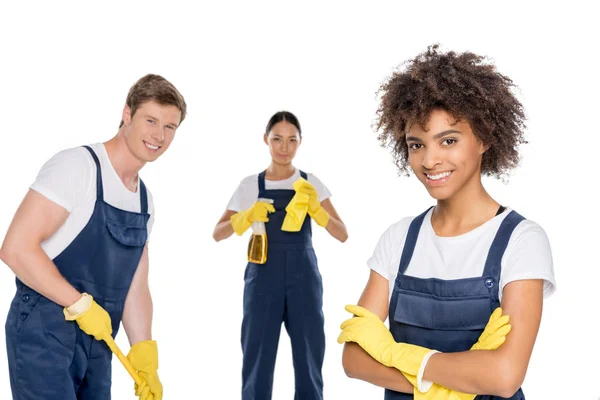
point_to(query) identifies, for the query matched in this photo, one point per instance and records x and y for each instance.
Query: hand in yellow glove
(315, 210)
(143, 392)
(143, 356)
(296, 210)
(370, 333)
(493, 336)
(90, 316)
(243, 220)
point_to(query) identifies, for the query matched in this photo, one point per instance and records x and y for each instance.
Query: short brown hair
(157, 88)
(465, 85)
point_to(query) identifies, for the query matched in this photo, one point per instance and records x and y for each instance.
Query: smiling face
(283, 141)
(445, 155)
(150, 131)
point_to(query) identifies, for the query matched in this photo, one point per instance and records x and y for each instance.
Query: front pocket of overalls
(24, 308)
(127, 235)
(45, 346)
(439, 313)
(58, 330)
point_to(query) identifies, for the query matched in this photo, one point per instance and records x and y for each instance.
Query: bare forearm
(497, 372)
(480, 372)
(137, 315)
(337, 229)
(223, 230)
(33, 267)
(360, 365)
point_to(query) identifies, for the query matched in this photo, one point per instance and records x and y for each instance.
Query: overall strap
(411, 240)
(261, 182)
(493, 261)
(99, 188)
(143, 198)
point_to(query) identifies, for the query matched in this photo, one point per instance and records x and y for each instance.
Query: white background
(66, 68)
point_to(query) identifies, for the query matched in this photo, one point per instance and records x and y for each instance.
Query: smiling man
(78, 246)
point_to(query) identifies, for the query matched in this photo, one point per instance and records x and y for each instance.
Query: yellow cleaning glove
(494, 334)
(90, 316)
(143, 356)
(243, 220)
(296, 210)
(315, 210)
(370, 333)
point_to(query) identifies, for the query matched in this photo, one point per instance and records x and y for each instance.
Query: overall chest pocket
(442, 313)
(447, 316)
(127, 235)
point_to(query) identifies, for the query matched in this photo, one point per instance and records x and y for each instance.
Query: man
(78, 246)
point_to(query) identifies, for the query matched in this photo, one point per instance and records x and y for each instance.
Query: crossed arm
(498, 372)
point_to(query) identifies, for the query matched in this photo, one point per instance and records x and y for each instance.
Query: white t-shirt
(69, 180)
(247, 192)
(527, 255)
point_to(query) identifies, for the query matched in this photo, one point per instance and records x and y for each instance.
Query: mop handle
(115, 349)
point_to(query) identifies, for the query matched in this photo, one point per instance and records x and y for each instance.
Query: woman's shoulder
(312, 178)
(525, 226)
(527, 235)
(250, 179)
(528, 230)
(398, 229)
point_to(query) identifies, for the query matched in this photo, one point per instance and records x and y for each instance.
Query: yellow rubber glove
(90, 316)
(367, 330)
(370, 333)
(243, 220)
(143, 392)
(296, 210)
(143, 356)
(315, 210)
(494, 334)
(492, 337)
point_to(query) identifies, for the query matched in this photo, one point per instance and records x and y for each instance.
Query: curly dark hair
(464, 85)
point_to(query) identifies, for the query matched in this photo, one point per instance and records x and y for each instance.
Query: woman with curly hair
(441, 277)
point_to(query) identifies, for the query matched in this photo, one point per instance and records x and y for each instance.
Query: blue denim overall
(447, 315)
(50, 358)
(287, 288)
